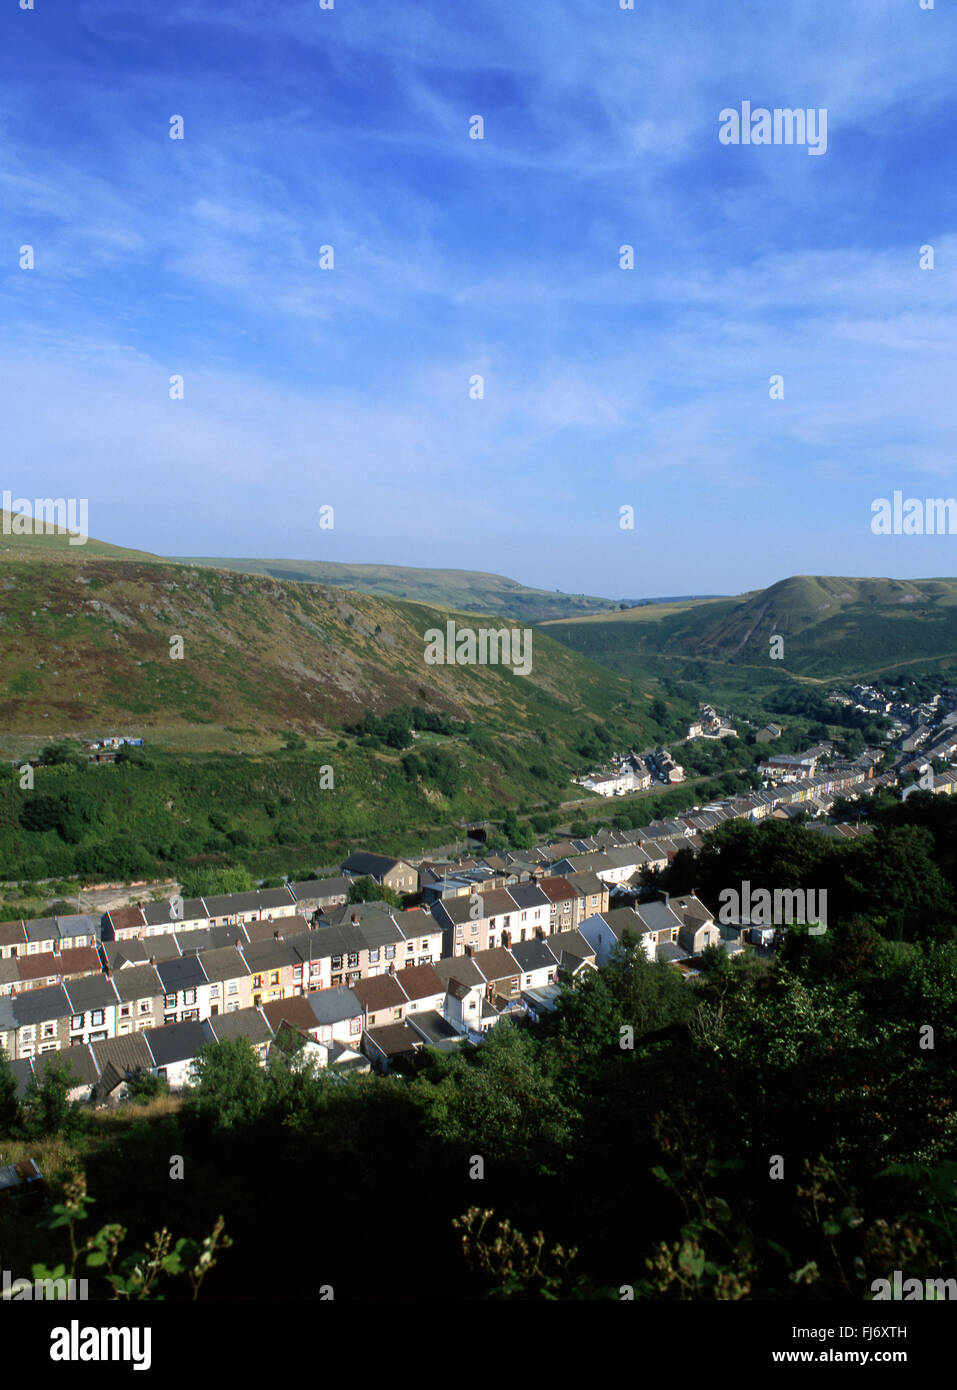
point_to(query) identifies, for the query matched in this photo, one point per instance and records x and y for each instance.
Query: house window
(257, 982)
(475, 928)
(214, 991)
(397, 1015)
(373, 955)
(169, 1002)
(355, 1026)
(76, 1021)
(26, 1035)
(315, 968)
(49, 1030)
(48, 1047)
(125, 1010)
(336, 981)
(458, 930)
(32, 948)
(274, 977)
(425, 944)
(353, 960)
(189, 997)
(409, 946)
(96, 1018)
(506, 920)
(145, 1006)
(297, 972)
(372, 1020)
(524, 915)
(337, 962)
(390, 953)
(232, 987)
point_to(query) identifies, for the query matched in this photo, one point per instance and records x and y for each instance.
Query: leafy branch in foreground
(135, 1276)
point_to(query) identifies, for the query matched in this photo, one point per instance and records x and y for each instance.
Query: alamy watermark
(914, 516)
(782, 126)
(45, 516)
(782, 908)
(50, 1290)
(488, 646)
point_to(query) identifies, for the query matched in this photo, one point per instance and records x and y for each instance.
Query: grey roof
(128, 1053)
(22, 1069)
(669, 951)
(433, 1027)
(139, 952)
(39, 1005)
(573, 942)
(334, 1005)
(177, 1042)
(42, 929)
(527, 895)
(319, 888)
(80, 924)
(241, 1023)
(461, 968)
(206, 938)
(90, 992)
(160, 914)
(268, 955)
(79, 1059)
(137, 982)
(184, 973)
(362, 863)
(533, 955)
(342, 916)
(224, 964)
(259, 900)
(657, 916)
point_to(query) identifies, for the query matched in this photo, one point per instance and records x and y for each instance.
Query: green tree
(230, 1088)
(9, 1104)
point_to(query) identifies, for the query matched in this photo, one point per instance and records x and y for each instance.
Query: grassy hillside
(833, 629)
(464, 590)
(85, 644)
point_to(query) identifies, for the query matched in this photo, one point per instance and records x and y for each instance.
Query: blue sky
(603, 387)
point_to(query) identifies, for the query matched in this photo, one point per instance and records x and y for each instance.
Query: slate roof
(137, 982)
(334, 1005)
(241, 1023)
(362, 863)
(268, 955)
(139, 952)
(90, 992)
(184, 973)
(160, 914)
(498, 964)
(41, 929)
(79, 924)
(435, 1029)
(461, 968)
(38, 1006)
(533, 955)
(224, 964)
(395, 1038)
(177, 1042)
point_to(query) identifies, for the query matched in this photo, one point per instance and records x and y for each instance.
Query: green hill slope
(462, 590)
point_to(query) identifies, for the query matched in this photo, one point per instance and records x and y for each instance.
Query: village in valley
(462, 942)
